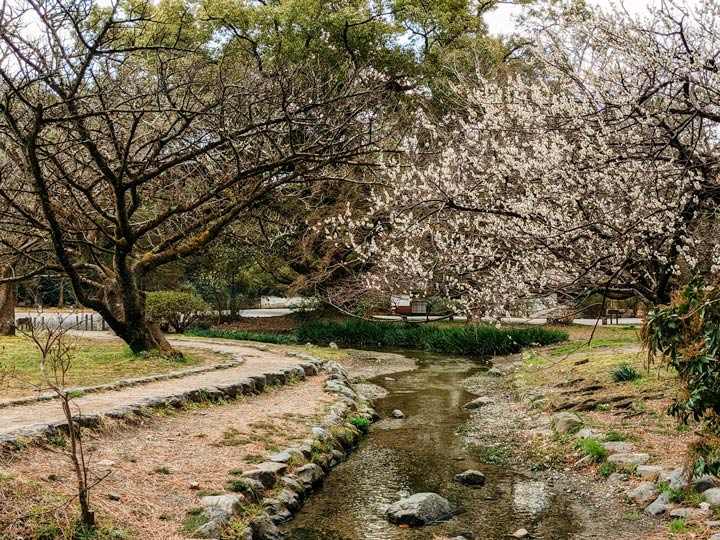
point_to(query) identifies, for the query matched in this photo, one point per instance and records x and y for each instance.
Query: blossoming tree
(596, 172)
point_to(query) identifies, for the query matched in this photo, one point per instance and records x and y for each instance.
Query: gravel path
(256, 362)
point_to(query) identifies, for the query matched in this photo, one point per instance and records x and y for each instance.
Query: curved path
(47, 412)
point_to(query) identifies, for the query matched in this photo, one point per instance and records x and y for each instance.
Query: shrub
(178, 310)
(686, 337)
(625, 373)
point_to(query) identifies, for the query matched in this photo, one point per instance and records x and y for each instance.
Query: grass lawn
(96, 362)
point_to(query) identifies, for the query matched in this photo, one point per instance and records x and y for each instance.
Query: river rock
(420, 509)
(565, 421)
(715, 536)
(660, 505)
(232, 504)
(264, 529)
(676, 479)
(289, 498)
(628, 459)
(479, 402)
(619, 447)
(291, 482)
(397, 413)
(644, 493)
(309, 475)
(333, 345)
(702, 483)
(648, 471)
(320, 433)
(281, 457)
(217, 518)
(520, 533)
(266, 473)
(470, 478)
(277, 511)
(687, 513)
(585, 433)
(712, 497)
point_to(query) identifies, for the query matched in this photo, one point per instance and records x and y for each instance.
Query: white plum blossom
(597, 173)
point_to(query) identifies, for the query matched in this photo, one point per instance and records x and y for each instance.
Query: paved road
(513, 320)
(256, 363)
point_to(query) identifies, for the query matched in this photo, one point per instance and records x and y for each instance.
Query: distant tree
(132, 135)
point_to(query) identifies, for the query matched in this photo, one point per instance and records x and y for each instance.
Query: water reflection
(422, 453)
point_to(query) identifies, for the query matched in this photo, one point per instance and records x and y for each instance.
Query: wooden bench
(614, 313)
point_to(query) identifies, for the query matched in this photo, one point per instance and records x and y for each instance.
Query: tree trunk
(125, 315)
(7, 304)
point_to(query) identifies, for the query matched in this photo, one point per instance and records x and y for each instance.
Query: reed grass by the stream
(481, 340)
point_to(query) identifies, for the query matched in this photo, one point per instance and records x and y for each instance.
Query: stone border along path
(294, 472)
(19, 425)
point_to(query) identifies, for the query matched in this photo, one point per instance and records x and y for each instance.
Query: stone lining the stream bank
(17, 440)
(297, 470)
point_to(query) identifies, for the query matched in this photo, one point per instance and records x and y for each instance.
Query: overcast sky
(502, 19)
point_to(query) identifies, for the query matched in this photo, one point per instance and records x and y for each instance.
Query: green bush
(625, 373)
(686, 337)
(175, 309)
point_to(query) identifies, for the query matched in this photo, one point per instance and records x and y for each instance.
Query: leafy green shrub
(686, 337)
(175, 309)
(592, 448)
(625, 373)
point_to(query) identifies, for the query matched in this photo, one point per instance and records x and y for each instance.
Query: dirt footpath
(256, 362)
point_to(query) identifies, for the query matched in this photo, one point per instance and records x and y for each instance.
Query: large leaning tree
(597, 171)
(130, 136)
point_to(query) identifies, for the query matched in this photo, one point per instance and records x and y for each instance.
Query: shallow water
(422, 453)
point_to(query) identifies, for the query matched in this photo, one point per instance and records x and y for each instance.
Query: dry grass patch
(180, 444)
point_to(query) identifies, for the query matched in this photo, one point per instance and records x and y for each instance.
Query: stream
(422, 453)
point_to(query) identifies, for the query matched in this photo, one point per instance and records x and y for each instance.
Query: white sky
(501, 20)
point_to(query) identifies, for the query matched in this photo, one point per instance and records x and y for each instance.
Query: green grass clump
(678, 525)
(193, 520)
(238, 486)
(363, 424)
(606, 469)
(463, 340)
(625, 373)
(592, 448)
